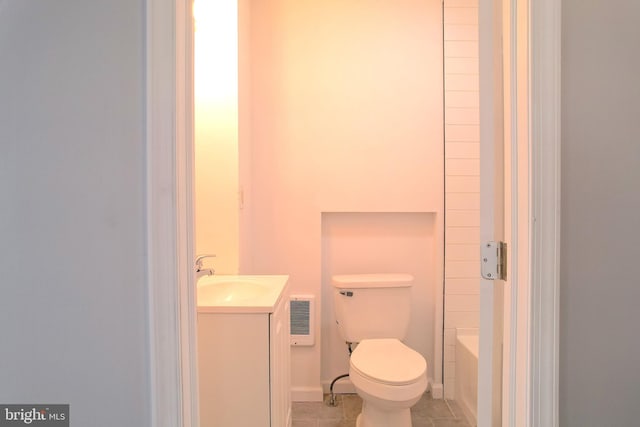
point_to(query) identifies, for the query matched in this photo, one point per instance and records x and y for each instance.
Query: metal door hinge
(494, 260)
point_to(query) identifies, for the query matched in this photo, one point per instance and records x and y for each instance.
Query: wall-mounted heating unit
(302, 315)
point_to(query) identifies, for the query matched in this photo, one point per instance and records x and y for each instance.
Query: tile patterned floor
(426, 413)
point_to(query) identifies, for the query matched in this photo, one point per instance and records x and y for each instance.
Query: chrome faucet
(203, 271)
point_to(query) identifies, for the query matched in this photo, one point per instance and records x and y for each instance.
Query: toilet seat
(388, 361)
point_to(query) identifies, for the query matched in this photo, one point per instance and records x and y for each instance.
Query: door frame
(531, 356)
(545, 37)
(173, 379)
(173, 387)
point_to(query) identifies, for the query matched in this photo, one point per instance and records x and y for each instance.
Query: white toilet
(373, 310)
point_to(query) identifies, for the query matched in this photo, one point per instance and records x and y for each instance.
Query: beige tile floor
(426, 413)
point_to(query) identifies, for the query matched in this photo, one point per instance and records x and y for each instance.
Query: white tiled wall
(462, 177)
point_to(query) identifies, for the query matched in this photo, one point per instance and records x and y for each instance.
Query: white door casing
(170, 274)
(515, 408)
(504, 98)
(544, 93)
(492, 192)
(531, 85)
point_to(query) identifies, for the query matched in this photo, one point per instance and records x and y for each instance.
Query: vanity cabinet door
(233, 370)
(280, 366)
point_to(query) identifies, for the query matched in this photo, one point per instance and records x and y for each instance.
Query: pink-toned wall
(345, 116)
(216, 135)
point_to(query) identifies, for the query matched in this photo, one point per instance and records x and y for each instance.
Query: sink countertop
(240, 293)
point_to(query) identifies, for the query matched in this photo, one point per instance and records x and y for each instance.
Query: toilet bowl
(373, 310)
(390, 378)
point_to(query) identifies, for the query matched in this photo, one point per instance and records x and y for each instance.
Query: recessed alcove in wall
(379, 242)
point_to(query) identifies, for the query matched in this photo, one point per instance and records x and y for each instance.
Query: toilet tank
(372, 305)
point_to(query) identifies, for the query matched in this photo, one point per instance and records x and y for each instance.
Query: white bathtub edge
(467, 363)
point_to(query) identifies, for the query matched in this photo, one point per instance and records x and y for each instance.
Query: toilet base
(372, 416)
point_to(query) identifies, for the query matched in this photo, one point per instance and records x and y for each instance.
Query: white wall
(72, 172)
(244, 133)
(346, 116)
(462, 177)
(599, 291)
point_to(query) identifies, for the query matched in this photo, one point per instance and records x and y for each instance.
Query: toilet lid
(388, 361)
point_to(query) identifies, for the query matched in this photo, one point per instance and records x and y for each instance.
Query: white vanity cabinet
(244, 366)
(280, 365)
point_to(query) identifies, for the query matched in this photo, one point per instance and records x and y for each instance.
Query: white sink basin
(225, 292)
(236, 294)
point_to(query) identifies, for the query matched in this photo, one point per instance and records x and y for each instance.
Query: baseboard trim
(342, 386)
(306, 394)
